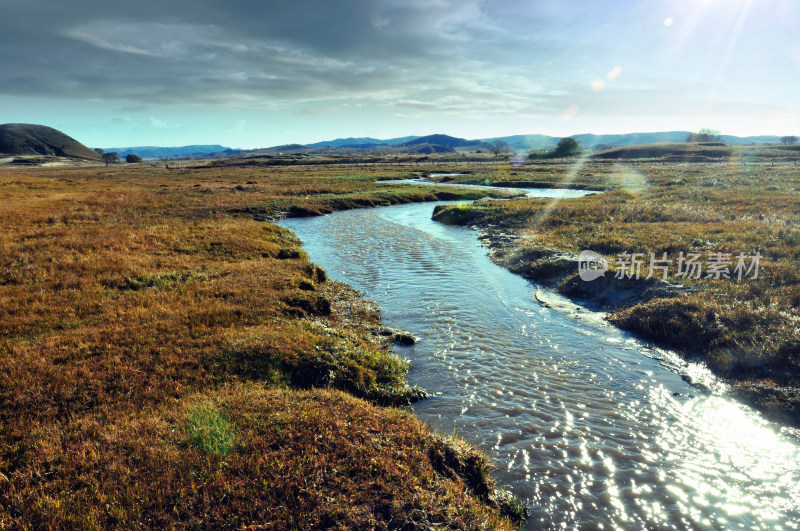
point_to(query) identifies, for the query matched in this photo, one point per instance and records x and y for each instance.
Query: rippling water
(596, 429)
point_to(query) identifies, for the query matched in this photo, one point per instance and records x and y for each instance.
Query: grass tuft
(208, 429)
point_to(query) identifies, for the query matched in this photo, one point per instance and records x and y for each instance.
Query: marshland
(171, 356)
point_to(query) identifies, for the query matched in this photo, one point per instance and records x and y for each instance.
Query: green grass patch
(208, 429)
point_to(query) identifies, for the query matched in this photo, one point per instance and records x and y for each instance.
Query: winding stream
(596, 429)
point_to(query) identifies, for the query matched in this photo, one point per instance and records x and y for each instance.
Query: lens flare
(571, 111)
(614, 73)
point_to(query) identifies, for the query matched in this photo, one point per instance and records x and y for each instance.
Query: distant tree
(704, 135)
(132, 159)
(111, 158)
(567, 146)
(497, 147)
(99, 151)
(788, 140)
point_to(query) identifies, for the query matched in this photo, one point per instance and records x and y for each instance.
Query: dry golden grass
(154, 343)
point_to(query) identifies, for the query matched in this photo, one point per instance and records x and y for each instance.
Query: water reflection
(595, 428)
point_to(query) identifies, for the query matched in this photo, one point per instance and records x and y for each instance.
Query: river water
(596, 429)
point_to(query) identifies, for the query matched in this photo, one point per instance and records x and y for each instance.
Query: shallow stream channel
(594, 428)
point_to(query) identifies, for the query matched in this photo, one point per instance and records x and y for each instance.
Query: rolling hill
(670, 151)
(439, 140)
(31, 139)
(353, 142)
(408, 144)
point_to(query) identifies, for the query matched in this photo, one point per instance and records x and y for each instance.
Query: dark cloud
(240, 51)
(415, 57)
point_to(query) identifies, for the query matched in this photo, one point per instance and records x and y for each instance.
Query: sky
(250, 74)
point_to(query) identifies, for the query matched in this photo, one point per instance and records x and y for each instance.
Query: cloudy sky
(244, 73)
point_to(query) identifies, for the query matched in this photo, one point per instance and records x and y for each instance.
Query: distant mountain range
(155, 152)
(362, 141)
(32, 140)
(437, 143)
(409, 144)
(519, 143)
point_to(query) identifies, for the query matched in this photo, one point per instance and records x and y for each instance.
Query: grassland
(745, 330)
(168, 358)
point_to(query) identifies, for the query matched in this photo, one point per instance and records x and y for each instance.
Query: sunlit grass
(168, 358)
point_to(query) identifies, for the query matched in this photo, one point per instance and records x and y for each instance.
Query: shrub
(704, 135)
(566, 147)
(111, 158)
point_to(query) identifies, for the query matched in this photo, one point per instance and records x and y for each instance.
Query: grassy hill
(672, 151)
(364, 140)
(30, 139)
(445, 141)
